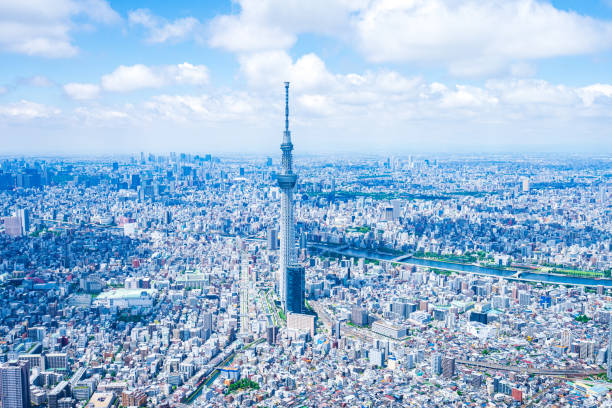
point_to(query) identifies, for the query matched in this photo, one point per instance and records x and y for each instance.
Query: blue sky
(406, 76)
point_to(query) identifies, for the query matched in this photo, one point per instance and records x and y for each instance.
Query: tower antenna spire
(286, 106)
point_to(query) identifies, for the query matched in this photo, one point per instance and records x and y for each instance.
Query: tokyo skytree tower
(291, 275)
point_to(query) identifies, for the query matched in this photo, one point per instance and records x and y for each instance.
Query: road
(269, 315)
(572, 372)
(87, 224)
(209, 372)
(272, 310)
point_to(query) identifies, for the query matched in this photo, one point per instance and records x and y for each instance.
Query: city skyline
(435, 231)
(151, 280)
(104, 77)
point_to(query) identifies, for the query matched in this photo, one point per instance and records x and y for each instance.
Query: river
(467, 268)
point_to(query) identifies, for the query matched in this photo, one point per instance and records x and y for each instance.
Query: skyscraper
(272, 236)
(436, 364)
(448, 367)
(295, 289)
(24, 216)
(291, 275)
(15, 385)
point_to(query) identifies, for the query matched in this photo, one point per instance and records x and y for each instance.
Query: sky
(374, 76)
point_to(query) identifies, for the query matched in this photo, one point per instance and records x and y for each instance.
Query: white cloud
(467, 97)
(97, 10)
(129, 78)
(101, 116)
(184, 108)
(161, 30)
(265, 25)
(354, 100)
(522, 70)
(389, 96)
(467, 37)
(349, 111)
(134, 77)
(82, 91)
(475, 37)
(232, 34)
(27, 110)
(317, 104)
(521, 92)
(43, 28)
(39, 81)
(354, 111)
(188, 74)
(267, 69)
(589, 94)
(263, 69)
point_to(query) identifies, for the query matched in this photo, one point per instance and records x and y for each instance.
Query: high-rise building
(397, 208)
(207, 321)
(336, 329)
(15, 385)
(566, 337)
(272, 236)
(295, 282)
(7, 181)
(524, 299)
(448, 367)
(525, 183)
(303, 241)
(271, 334)
(410, 359)
(436, 364)
(291, 275)
(359, 316)
(12, 226)
(388, 214)
(24, 216)
(377, 357)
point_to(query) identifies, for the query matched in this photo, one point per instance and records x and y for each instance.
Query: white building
(388, 329)
(126, 298)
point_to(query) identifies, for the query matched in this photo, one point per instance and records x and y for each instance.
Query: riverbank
(519, 275)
